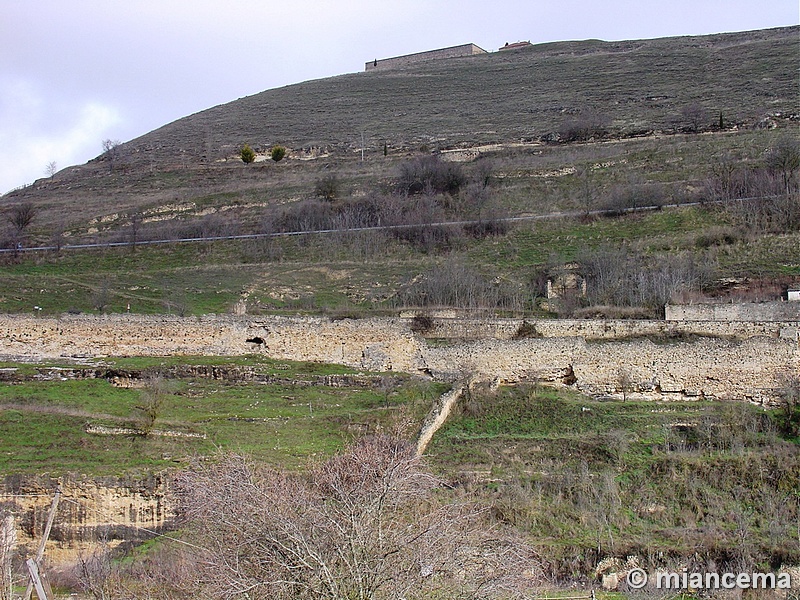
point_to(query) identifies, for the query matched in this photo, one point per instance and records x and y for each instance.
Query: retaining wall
(748, 363)
(742, 311)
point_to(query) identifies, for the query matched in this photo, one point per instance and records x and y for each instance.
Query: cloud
(36, 132)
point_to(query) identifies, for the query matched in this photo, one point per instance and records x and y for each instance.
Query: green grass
(44, 422)
(587, 479)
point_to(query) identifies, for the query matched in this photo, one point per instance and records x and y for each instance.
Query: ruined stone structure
(737, 361)
(742, 311)
(410, 59)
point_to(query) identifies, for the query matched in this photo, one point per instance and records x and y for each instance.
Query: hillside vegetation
(573, 127)
(654, 171)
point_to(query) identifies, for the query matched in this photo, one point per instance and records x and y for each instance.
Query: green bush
(247, 154)
(277, 153)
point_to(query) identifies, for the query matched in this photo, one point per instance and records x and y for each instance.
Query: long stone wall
(741, 311)
(453, 327)
(747, 361)
(410, 59)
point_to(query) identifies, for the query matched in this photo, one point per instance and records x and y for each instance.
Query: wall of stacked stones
(410, 59)
(745, 311)
(740, 361)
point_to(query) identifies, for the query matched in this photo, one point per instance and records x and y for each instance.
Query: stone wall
(743, 311)
(410, 59)
(453, 327)
(654, 360)
(746, 362)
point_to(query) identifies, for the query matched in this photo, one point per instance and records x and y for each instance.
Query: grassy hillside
(572, 127)
(169, 410)
(588, 479)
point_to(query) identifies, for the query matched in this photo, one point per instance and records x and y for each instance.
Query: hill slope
(569, 126)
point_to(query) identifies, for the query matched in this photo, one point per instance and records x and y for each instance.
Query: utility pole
(33, 564)
(36, 580)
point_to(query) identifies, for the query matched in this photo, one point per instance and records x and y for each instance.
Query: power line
(256, 236)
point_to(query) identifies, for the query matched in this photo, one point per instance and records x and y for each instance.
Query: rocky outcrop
(114, 510)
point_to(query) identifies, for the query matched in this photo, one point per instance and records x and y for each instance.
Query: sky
(76, 72)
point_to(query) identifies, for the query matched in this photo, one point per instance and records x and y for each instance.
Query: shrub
(277, 153)
(430, 175)
(489, 228)
(589, 124)
(526, 330)
(366, 523)
(327, 187)
(459, 285)
(421, 323)
(694, 116)
(247, 154)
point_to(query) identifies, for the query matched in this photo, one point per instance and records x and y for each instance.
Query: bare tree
(587, 125)
(51, 168)
(101, 296)
(694, 116)
(625, 382)
(784, 159)
(111, 152)
(21, 216)
(135, 217)
(93, 572)
(364, 524)
(151, 401)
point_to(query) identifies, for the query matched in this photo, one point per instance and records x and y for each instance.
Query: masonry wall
(455, 328)
(591, 355)
(410, 59)
(744, 311)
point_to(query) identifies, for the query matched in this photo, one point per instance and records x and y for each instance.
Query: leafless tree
(21, 216)
(784, 159)
(619, 277)
(457, 284)
(430, 175)
(93, 573)
(101, 296)
(51, 168)
(135, 227)
(364, 524)
(111, 152)
(694, 116)
(327, 187)
(151, 401)
(625, 382)
(588, 124)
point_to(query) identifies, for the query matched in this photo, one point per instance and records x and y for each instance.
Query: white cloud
(36, 132)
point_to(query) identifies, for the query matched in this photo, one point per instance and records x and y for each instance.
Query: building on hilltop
(409, 59)
(516, 46)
